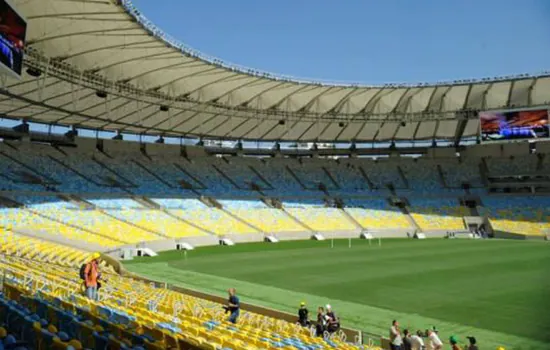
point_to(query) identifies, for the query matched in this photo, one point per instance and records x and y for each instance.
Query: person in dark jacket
(321, 322)
(303, 315)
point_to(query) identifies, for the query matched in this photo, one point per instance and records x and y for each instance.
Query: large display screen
(514, 125)
(13, 29)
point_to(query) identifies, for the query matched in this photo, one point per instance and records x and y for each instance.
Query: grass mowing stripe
(494, 287)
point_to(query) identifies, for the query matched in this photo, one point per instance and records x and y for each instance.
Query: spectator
(395, 336)
(303, 315)
(454, 343)
(321, 322)
(435, 342)
(91, 276)
(417, 342)
(333, 323)
(233, 305)
(473, 343)
(407, 342)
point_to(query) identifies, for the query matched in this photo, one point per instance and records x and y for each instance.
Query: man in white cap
(333, 323)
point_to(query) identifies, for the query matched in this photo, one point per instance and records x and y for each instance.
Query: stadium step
(366, 177)
(104, 212)
(201, 185)
(125, 180)
(45, 180)
(179, 218)
(295, 177)
(332, 179)
(236, 217)
(351, 219)
(296, 220)
(147, 170)
(261, 177)
(74, 226)
(68, 167)
(226, 177)
(76, 200)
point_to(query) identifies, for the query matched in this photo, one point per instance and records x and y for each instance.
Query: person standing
(435, 342)
(454, 343)
(303, 315)
(407, 342)
(417, 342)
(91, 277)
(333, 322)
(473, 343)
(321, 322)
(233, 305)
(396, 342)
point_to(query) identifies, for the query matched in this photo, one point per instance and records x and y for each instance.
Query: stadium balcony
(437, 214)
(527, 216)
(131, 313)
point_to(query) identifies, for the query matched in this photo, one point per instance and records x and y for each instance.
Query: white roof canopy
(82, 47)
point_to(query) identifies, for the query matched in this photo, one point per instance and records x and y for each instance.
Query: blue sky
(368, 41)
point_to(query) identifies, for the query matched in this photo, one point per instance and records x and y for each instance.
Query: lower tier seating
(132, 312)
(323, 219)
(31, 248)
(376, 214)
(438, 214)
(268, 219)
(520, 215)
(214, 220)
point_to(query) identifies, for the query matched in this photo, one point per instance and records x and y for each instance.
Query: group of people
(327, 321)
(408, 341)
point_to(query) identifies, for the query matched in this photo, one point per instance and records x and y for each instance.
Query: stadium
(168, 177)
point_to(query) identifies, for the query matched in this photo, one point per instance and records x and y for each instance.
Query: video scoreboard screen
(514, 125)
(13, 29)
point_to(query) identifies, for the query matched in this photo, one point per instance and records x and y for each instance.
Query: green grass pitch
(496, 290)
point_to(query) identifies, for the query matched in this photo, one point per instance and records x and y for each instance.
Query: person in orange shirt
(92, 274)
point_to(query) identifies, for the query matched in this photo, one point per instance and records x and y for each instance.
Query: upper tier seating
(458, 171)
(348, 176)
(32, 167)
(518, 165)
(383, 172)
(437, 214)
(520, 215)
(421, 175)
